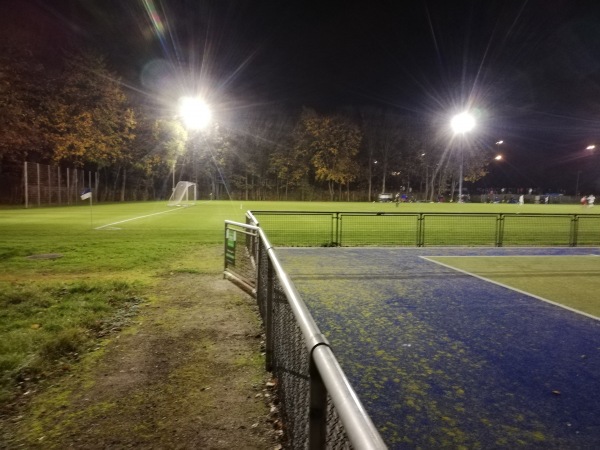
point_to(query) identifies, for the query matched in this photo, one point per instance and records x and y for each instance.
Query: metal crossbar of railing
(309, 229)
(319, 407)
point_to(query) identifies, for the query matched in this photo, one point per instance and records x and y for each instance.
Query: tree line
(69, 107)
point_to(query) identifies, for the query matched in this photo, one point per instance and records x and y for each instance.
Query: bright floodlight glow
(462, 123)
(590, 147)
(498, 157)
(194, 112)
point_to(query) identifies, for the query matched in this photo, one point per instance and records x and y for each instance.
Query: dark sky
(530, 70)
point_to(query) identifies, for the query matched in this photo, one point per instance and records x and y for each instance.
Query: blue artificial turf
(444, 360)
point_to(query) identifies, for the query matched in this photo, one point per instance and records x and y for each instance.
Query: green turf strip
(572, 281)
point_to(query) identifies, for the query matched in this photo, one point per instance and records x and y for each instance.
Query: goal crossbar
(184, 194)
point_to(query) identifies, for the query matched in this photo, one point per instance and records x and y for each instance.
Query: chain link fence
(319, 409)
(308, 229)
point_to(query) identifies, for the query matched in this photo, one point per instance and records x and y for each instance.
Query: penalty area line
(136, 218)
(506, 286)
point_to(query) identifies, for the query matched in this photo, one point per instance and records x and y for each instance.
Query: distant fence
(295, 228)
(319, 408)
(45, 185)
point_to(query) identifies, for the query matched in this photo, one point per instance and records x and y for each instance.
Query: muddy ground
(188, 372)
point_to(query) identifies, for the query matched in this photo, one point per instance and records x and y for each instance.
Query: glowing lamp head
(462, 123)
(194, 112)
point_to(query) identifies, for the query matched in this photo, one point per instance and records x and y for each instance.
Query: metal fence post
(39, 192)
(268, 311)
(421, 230)
(317, 415)
(338, 229)
(574, 230)
(58, 185)
(225, 251)
(499, 230)
(26, 183)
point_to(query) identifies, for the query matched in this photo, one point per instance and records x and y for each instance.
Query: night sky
(530, 70)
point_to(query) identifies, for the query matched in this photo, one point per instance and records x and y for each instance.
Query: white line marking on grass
(511, 288)
(136, 218)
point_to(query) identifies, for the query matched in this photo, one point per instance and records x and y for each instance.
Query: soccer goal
(184, 194)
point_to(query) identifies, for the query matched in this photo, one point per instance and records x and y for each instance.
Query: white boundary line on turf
(512, 256)
(136, 218)
(510, 287)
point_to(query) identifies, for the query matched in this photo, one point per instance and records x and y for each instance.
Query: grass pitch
(70, 275)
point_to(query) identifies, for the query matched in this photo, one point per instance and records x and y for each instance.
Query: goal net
(184, 194)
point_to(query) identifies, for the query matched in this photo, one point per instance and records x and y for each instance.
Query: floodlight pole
(461, 124)
(460, 171)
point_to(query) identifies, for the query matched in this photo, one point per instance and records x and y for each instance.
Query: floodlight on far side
(194, 112)
(462, 123)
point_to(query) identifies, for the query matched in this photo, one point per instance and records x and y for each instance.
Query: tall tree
(255, 140)
(90, 120)
(389, 143)
(23, 82)
(335, 142)
(294, 163)
(158, 145)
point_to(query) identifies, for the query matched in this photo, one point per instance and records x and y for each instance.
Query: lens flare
(194, 112)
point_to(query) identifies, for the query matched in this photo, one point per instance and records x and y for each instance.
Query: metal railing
(319, 408)
(298, 228)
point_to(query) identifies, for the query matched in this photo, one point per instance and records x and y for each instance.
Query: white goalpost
(184, 194)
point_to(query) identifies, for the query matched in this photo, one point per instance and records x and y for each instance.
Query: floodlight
(462, 123)
(194, 112)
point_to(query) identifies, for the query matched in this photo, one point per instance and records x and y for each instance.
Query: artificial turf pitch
(442, 359)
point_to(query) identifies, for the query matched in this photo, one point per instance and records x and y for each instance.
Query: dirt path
(188, 374)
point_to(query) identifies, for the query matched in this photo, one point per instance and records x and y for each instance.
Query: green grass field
(106, 260)
(52, 310)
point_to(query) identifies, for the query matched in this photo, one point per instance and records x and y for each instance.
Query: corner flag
(86, 193)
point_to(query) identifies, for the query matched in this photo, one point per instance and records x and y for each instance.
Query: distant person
(590, 200)
(546, 199)
(583, 201)
(521, 200)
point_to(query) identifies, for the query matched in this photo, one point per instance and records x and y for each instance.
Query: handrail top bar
(311, 332)
(242, 225)
(358, 424)
(250, 216)
(322, 213)
(416, 213)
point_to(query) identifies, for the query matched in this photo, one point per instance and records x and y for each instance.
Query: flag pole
(85, 194)
(91, 216)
